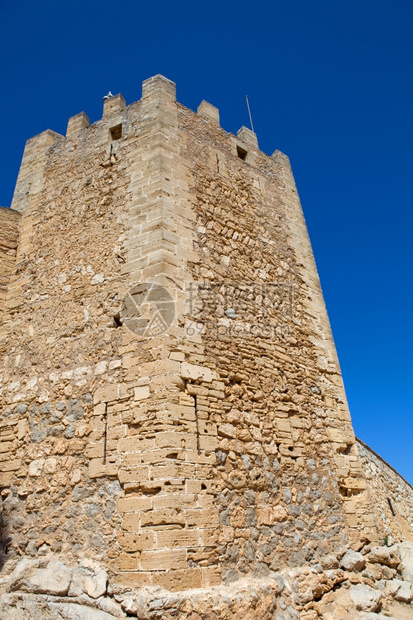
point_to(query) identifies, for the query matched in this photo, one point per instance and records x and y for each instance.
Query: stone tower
(172, 405)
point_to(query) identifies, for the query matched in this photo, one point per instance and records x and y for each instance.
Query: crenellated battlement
(110, 128)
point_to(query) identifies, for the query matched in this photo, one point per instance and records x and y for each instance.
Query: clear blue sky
(330, 83)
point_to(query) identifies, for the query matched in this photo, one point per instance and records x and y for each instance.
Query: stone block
(128, 561)
(171, 559)
(135, 541)
(247, 136)
(142, 392)
(211, 576)
(76, 123)
(135, 444)
(133, 504)
(150, 369)
(270, 515)
(136, 474)
(99, 469)
(176, 580)
(202, 517)
(165, 516)
(174, 439)
(353, 561)
(106, 394)
(176, 500)
(177, 538)
(159, 87)
(194, 372)
(209, 111)
(405, 550)
(114, 105)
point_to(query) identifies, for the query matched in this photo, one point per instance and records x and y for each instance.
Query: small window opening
(116, 320)
(116, 132)
(242, 153)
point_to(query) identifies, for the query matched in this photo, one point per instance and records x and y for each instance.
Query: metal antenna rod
(249, 112)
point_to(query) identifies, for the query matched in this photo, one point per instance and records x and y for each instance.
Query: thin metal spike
(249, 112)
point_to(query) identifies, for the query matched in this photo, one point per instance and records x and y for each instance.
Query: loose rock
(352, 560)
(365, 598)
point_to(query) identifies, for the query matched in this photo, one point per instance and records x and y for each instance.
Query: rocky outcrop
(365, 585)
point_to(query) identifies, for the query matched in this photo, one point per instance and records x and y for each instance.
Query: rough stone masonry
(172, 408)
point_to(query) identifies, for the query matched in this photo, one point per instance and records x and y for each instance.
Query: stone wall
(172, 403)
(9, 231)
(393, 496)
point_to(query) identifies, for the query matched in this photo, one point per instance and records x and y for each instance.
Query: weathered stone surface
(365, 598)
(32, 607)
(406, 560)
(29, 576)
(109, 606)
(88, 578)
(329, 562)
(400, 611)
(373, 616)
(404, 592)
(374, 570)
(389, 556)
(130, 605)
(352, 560)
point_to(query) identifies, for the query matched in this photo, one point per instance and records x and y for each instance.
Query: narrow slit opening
(391, 506)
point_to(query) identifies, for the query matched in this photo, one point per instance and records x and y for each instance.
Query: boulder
(406, 560)
(130, 606)
(329, 561)
(365, 598)
(89, 578)
(389, 556)
(33, 607)
(392, 586)
(31, 576)
(69, 611)
(374, 571)
(404, 593)
(110, 607)
(353, 560)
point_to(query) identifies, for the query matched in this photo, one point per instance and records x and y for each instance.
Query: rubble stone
(389, 556)
(365, 598)
(352, 560)
(406, 560)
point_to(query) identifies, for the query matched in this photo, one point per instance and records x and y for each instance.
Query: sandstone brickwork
(172, 405)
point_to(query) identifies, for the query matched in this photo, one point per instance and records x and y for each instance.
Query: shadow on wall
(5, 539)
